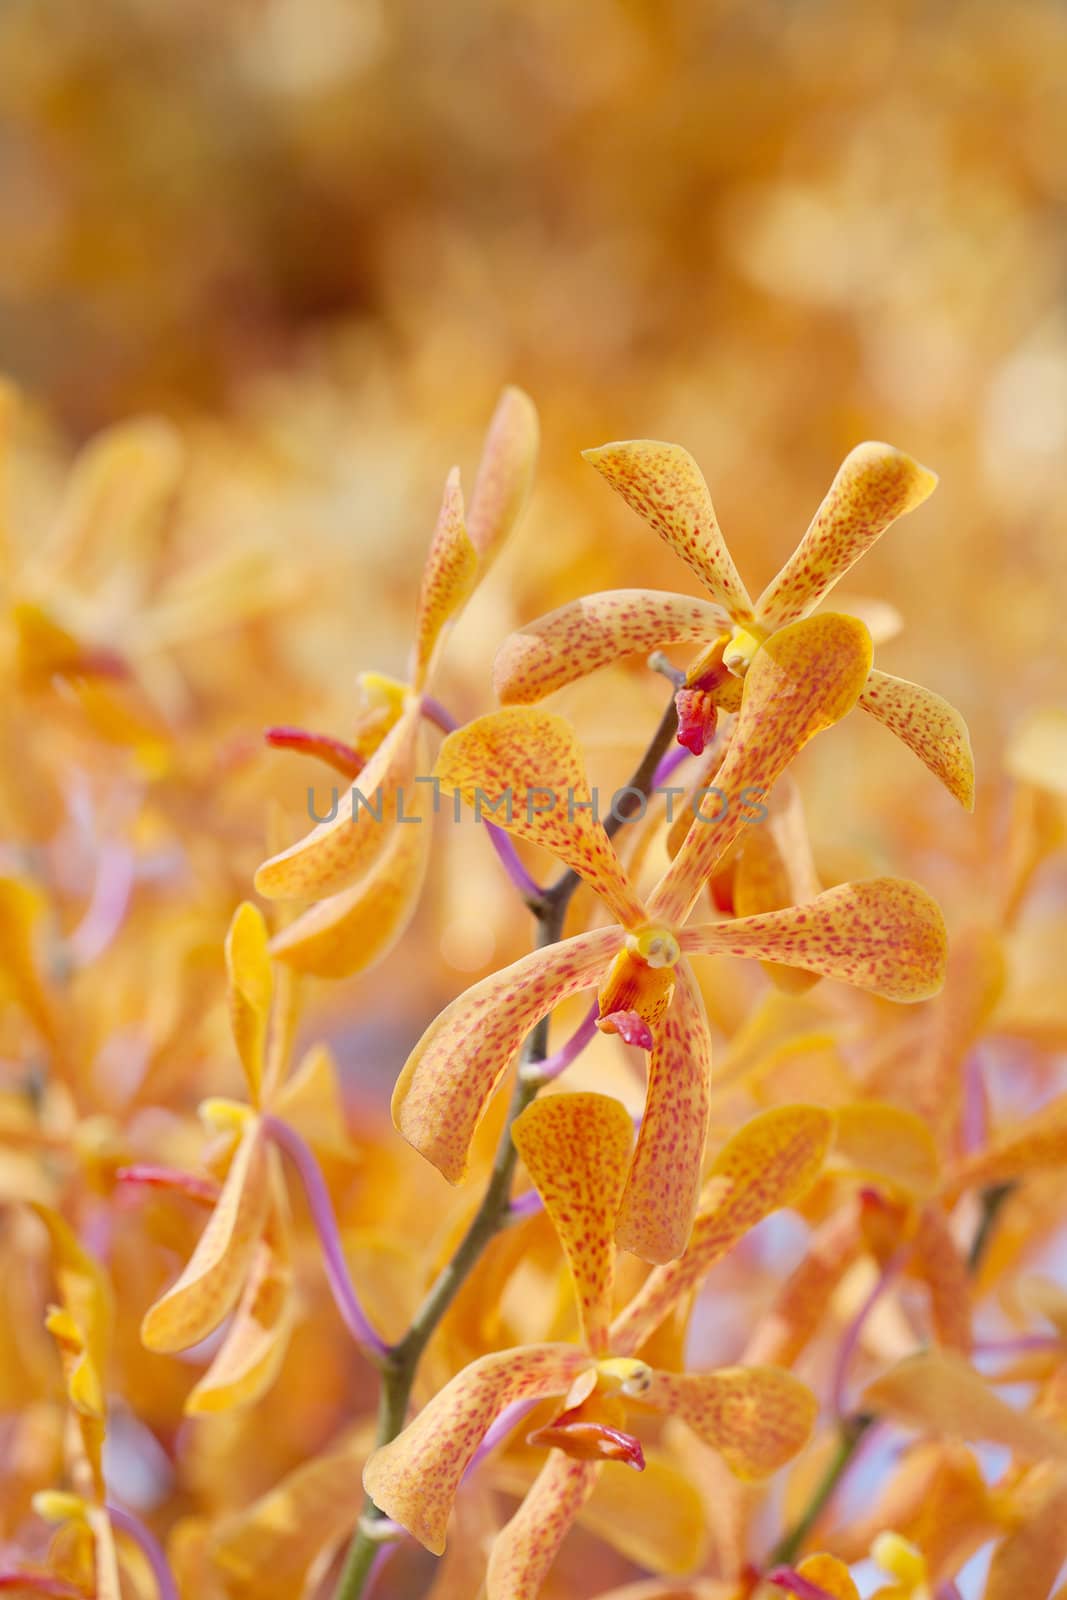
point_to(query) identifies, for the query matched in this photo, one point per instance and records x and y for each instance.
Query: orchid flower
(242, 1260)
(366, 874)
(576, 1150)
(875, 485)
(886, 936)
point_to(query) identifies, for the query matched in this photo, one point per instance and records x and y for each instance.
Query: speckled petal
(1037, 1143)
(771, 1162)
(212, 1281)
(577, 1149)
(594, 632)
(351, 931)
(450, 1075)
(530, 761)
(1028, 1560)
(885, 935)
(938, 1260)
(804, 679)
(830, 1575)
(250, 987)
(525, 1549)
(334, 854)
(929, 726)
(874, 485)
(449, 576)
(660, 1201)
(505, 474)
(758, 1418)
(414, 1478)
(800, 1308)
(663, 484)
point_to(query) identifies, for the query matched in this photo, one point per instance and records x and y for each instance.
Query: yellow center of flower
(623, 1375)
(224, 1116)
(900, 1558)
(58, 1506)
(740, 648)
(655, 945)
(379, 692)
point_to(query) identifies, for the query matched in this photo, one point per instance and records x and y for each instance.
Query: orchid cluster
(704, 1238)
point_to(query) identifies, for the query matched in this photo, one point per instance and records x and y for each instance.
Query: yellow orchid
(242, 1260)
(885, 935)
(575, 1148)
(366, 873)
(874, 486)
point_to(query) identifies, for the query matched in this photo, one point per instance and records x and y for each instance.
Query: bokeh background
(320, 235)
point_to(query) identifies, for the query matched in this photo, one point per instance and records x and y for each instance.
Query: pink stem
(853, 1332)
(584, 1034)
(150, 1547)
(526, 884)
(115, 872)
(321, 1207)
(669, 766)
(1026, 1344)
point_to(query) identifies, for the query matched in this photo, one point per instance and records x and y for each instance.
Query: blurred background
(320, 235)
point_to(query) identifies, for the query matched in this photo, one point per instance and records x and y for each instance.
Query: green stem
(854, 1429)
(400, 1363)
(852, 1433)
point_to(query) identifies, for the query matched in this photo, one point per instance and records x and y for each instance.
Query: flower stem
(400, 1363)
(318, 1197)
(150, 1547)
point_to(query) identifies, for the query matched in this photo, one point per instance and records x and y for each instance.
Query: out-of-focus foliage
(266, 266)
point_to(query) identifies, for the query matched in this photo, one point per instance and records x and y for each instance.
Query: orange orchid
(575, 1148)
(366, 874)
(885, 935)
(875, 485)
(242, 1260)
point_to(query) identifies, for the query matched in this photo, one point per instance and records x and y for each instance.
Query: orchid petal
(663, 484)
(595, 632)
(656, 1215)
(757, 1418)
(830, 1575)
(21, 907)
(337, 852)
(937, 1392)
(803, 680)
(251, 1355)
(351, 931)
(414, 1478)
(529, 760)
(525, 1549)
(775, 868)
(505, 474)
(448, 1079)
(771, 1162)
(929, 726)
(267, 1551)
(311, 1102)
(119, 491)
(447, 581)
(250, 988)
(1035, 1144)
(885, 1143)
(885, 935)
(1028, 1560)
(938, 1261)
(874, 485)
(802, 1304)
(1037, 750)
(576, 1148)
(212, 1281)
(656, 1518)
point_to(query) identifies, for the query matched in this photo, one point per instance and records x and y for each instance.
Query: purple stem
(150, 1547)
(584, 1034)
(527, 885)
(499, 1429)
(855, 1328)
(1026, 1344)
(115, 871)
(669, 766)
(318, 1197)
(947, 1591)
